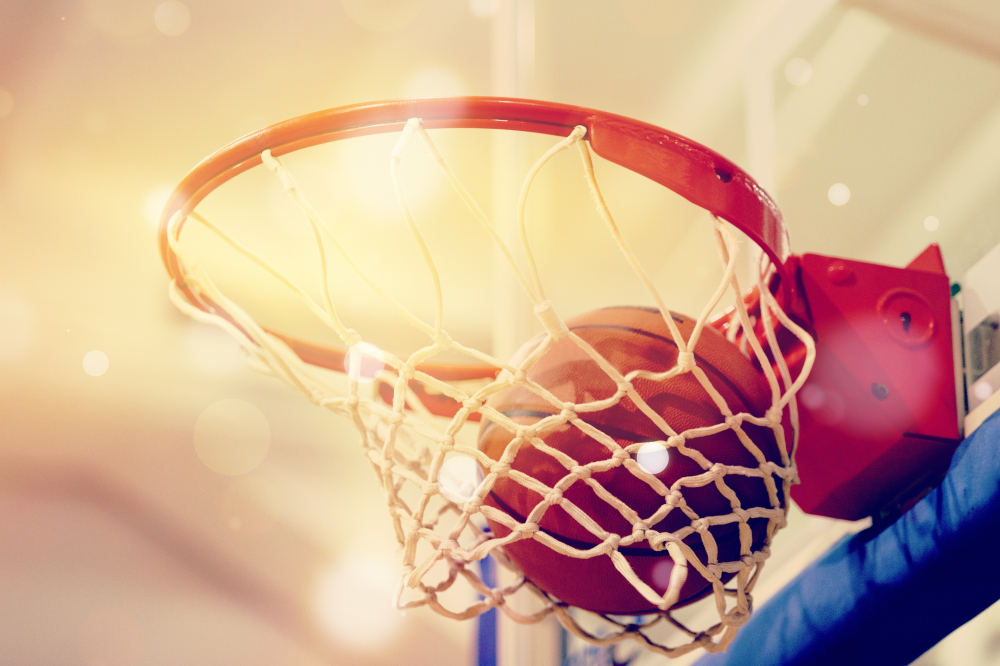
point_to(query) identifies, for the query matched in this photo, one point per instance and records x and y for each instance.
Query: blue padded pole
(486, 627)
(887, 598)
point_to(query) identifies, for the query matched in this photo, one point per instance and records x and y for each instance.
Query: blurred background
(162, 503)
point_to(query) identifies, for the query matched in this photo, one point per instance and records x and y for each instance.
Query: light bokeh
(982, 390)
(354, 600)
(95, 363)
(16, 326)
(798, 71)
(653, 457)
(838, 194)
(172, 18)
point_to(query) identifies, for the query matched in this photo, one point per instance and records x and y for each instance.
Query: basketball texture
(629, 338)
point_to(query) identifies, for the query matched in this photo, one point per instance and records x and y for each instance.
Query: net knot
(675, 498)
(472, 506)
(736, 618)
(353, 401)
(442, 339)
(447, 443)
(568, 412)
(639, 528)
(774, 415)
(395, 419)
(685, 361)
(554, 496)
(448, 545)
(620, 456)
(718, 470)
(351, 337)
(700, 525)
(675, 441)
(581, 471)
(500, 468)
(734, 420)
(555, 326)
(519, 378)
(741, 514)
(472, 404)
(748, 560)
(526, 432)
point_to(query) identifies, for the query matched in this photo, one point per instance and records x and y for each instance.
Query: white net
(438, 480)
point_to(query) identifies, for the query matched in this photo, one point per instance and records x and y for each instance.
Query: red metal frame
(878, 415)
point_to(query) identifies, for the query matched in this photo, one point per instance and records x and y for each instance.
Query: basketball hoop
(467, 474)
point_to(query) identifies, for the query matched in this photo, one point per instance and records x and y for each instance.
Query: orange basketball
(629, 338)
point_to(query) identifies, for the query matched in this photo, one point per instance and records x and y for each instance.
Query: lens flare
(459, 478)
(653, 457)
(364, 362)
